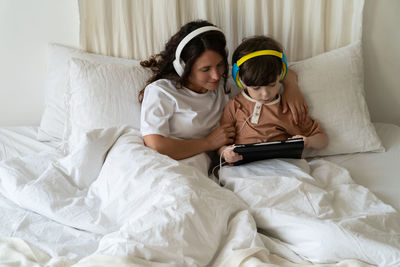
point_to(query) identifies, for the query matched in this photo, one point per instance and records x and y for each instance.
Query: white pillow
(333, 86)
(102, 95)
(53, 118)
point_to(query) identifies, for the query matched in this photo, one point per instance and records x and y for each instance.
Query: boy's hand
(231, 156)
(305, 139)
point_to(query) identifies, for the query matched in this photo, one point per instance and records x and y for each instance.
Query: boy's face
(265, 93)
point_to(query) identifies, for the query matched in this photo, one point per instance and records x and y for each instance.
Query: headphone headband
(179, 65)
(235, 67)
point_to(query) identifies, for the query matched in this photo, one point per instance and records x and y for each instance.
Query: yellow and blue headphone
(235, 67)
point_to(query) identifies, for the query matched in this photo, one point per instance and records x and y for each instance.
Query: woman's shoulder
(162, 87)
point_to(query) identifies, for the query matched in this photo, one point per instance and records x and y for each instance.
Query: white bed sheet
(19, 141)
(380, 172)
(373, 170)
(165, 212)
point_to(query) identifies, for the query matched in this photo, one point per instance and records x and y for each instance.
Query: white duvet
(317, 210)
(114, 201)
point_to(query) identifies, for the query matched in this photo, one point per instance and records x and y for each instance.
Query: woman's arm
(181, 149)
(293, 99)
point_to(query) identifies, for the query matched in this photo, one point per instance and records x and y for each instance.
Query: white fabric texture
(102, 95)
(169, 111)
(19, 141)
(52, 124)
(333, 86)
(155, 210)
(304, 27)
(317, 210)
(16, 252)
(366, 167)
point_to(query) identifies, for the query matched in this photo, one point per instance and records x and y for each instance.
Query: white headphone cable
(228, 148)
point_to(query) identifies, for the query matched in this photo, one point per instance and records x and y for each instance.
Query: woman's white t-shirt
(180, 113)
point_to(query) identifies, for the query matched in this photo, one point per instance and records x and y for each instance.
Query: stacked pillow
(333, 86)
(102, 95)
(87, 91)
(53, 120)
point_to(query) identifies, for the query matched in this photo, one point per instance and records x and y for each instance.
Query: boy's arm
(311, 132)
(228, 119)
(316, 141)
(292, 98)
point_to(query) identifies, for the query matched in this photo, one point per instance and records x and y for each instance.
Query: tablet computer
(291, 148)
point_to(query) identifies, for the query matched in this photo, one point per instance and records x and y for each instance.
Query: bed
(81, 189)
(38, 240)
(375, 171)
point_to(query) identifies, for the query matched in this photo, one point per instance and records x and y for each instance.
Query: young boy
(256, 113)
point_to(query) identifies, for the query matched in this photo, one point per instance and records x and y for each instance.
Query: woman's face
(206, 72)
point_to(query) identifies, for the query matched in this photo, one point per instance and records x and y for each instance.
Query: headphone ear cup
(284, 66)
(284, 71)
(235, 75)
(179, 66)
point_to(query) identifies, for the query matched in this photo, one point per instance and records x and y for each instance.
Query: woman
(184, 100)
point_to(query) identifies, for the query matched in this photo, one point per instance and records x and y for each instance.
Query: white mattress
(380, 172)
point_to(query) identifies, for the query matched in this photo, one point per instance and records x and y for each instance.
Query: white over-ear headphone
(178, 63)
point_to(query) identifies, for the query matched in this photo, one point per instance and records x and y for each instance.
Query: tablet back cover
(292, 148)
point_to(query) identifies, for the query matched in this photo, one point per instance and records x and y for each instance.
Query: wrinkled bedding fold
(113, 198)
(317, 210)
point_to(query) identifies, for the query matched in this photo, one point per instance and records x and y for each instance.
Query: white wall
(26, 27)
(381, 42)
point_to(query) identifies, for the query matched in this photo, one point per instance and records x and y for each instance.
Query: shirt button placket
(256, 113)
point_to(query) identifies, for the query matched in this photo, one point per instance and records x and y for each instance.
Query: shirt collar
(278, 99)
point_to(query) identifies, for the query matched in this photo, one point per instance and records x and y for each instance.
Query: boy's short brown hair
(262, 70)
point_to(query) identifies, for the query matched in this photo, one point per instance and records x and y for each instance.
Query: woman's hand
(221, 136)
(293, 99)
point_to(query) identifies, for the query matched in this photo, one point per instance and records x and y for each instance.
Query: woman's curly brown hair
(162, 66)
